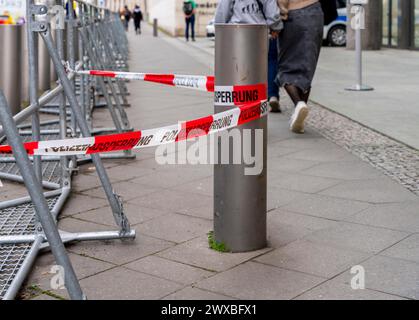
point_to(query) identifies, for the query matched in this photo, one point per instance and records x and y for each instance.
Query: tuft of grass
(36, 291)
(215, 245)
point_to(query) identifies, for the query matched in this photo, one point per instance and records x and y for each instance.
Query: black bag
(330, 11)
(187, 7)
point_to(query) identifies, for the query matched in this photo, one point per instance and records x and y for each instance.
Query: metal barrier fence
(93, 37)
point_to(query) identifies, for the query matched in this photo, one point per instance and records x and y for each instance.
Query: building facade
(400, 24)
(171, 18)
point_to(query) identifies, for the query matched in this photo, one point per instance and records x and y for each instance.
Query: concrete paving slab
(336, 290)
(285, 227)
(326, 207)
(135, 214)
(71, 224)
(172, 175)
(128, 190)
(286, 165)
(191, 293)
(204, 186)
(278, 197)
(399, 216)
(381, 190)
(169, 270)
(313, 258)
(120, 173)
(174, 201)
(258, 281)
(358, 237)
(302, 183)
(351, 170)
(407, 249)
(124, 284)
(196, 252)
(78, 203)
(176, 227)
(120, 252)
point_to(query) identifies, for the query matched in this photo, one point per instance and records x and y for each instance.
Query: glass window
(386, 17)
(417, 23)
(392, 20)
(395, 22)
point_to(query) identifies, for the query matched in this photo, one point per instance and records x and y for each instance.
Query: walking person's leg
(187, 22)
(300, 44)
(273, 89)
(193, 27)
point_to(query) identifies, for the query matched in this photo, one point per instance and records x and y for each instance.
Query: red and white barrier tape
(148, 138)
(201, 83)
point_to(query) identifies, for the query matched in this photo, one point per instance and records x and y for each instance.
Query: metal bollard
(239, 199)
(10, 72)
(357, 24)
(155, 28)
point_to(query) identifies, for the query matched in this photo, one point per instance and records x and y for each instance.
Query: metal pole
(41, 206)
(359, 24)
(62, 102)
(33, 83)
(71, 52)
(239, 199)
(155, 28)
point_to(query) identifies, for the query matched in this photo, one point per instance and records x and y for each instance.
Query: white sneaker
(298, 117)
(274, 103)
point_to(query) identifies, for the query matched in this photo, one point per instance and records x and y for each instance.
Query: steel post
(240, 199)
(33, 81)
(359, 86)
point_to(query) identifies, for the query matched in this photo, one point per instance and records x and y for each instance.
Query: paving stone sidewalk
(328, 211)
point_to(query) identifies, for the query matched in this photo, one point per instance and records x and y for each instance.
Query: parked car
(334, 33)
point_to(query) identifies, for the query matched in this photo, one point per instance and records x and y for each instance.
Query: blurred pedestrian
(257, 12)
(273, 88)
(299, 48)
(138, 17)
(189, 7)
(127, 17)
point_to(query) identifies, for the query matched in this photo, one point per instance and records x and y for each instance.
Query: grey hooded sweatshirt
(248, 12)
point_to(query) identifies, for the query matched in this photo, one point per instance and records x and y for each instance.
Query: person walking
(138, 17)
(127, 17)
(189, 7)
(299, 48)
(257, 12)
(273, 88)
